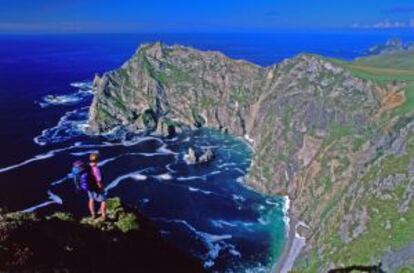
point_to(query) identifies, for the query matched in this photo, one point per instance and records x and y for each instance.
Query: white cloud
(386, 24)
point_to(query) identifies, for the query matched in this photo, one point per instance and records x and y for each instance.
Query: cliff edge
(127, 242)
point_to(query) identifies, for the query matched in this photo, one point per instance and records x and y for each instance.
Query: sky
(118, 16)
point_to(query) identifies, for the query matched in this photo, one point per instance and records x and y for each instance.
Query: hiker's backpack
(76, 173)
(87, 180)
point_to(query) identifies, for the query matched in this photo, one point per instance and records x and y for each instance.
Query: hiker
(92, 182)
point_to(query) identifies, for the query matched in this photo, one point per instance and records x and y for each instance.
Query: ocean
(45, 90)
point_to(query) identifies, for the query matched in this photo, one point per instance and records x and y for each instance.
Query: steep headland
(336, 137)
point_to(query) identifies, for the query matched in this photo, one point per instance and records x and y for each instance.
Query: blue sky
(200, 15)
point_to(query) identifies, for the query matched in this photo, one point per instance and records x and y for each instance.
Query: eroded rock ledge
(127, 242)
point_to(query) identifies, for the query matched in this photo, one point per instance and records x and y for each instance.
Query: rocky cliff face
(332, 140)
(176, 86)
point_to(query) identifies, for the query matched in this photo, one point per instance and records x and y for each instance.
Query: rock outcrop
(190, 158)
(127, 242)
(323, 133)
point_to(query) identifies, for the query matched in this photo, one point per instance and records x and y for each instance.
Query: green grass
(337, 131)
(127, 222)
(372, 244)
(398, 60)
(408, 106)
(406, 270)
(393, 165)
(62, 216)
(387, 67)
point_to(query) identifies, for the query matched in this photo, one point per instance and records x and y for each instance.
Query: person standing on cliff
(96, 193)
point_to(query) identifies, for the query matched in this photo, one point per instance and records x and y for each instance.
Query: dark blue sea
(204, 209)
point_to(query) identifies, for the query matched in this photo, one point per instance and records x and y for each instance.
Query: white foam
(199, 190)
(164, 150)
(286, 207)
(205, 147)
(138, 139)
(164, 176)
(49, 154)
(134, 175)
(271, 203)
(234, 252)
(70, 125)
(214, 173)
(222, 223)
(170, 169)
(240, 171)
(139, 176)
(53, 199)
(231, 164)
(28, 161)
(34, 208)
(213, 242)
(106, 161)
(240, 179)
(238, 198)
(183, 178)
(84, 153)
(153, 154)
(60, 181)
(85, 85)
(65, 99)
(264, 221)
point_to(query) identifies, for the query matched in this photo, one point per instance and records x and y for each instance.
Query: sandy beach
(293, 246)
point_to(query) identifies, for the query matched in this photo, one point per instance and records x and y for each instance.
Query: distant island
(336, 137)
(391, 46)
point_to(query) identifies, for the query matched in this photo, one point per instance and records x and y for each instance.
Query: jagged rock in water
(207, 156)
(190, 158)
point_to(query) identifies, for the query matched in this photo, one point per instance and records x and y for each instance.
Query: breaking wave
(83, 93)
(213, 242)
(71, 125)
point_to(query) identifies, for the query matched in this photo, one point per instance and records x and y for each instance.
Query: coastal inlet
(204, 209)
